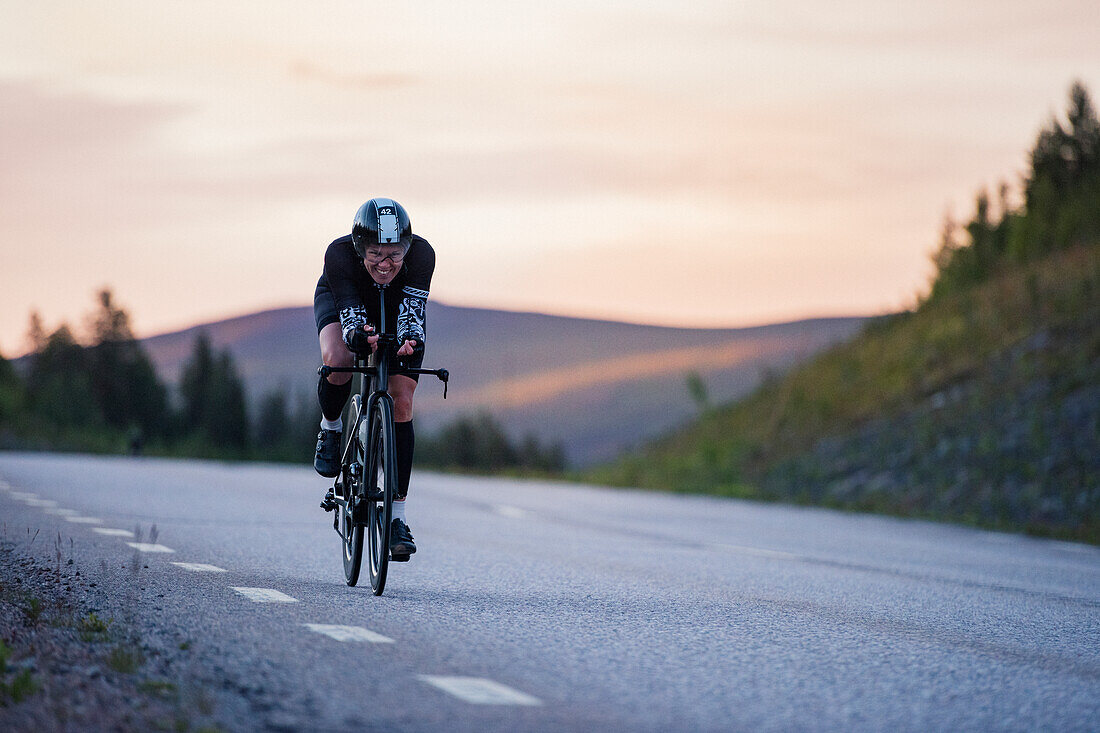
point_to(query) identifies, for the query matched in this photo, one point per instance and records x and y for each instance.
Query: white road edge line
(512, 512)
(149, 547)
(755, 551)
(199, 567)
(479, 691)
(265, 595)
(112, 532)
(349, 633)
(1074, 547)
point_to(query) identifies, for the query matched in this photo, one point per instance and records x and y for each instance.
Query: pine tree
(1063, 186)
(196, 384)
(11, 393)
(59, 390)
(1060, 206)
(227, 414)
(273, 423)
(124, 381)
(214, 408)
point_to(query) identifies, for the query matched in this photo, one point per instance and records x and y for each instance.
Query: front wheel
(353, 545)
(381, 483)
(350, 531)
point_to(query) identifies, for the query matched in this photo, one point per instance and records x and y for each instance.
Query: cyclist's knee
(334, 352)
(338, 360)
(402, 390)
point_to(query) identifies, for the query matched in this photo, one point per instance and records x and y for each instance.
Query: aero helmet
(380, 221)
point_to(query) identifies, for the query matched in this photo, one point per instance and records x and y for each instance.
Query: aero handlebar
(441, 374)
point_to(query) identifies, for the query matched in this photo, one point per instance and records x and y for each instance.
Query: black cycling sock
(403, 432)
(332, 397)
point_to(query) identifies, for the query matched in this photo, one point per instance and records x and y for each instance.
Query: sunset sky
(702, 164)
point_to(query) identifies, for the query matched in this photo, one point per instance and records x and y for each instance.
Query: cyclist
(381, 249)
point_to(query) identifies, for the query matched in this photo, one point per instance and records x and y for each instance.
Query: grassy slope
(983, 407)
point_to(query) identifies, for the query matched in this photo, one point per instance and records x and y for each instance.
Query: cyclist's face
(384, 262)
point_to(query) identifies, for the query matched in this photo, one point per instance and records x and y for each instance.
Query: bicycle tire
(352, 532)
(380, 478)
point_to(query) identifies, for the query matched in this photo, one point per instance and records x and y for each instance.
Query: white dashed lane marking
(112, 532)
(23, 495)
(480, 691)
(265, 595)
(84, 520)
(40, 502)
(149, 547)
(199, 567)
(62, 512)
(349, 633)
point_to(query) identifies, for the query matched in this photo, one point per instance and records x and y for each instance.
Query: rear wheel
(352, 477)
(380, 479)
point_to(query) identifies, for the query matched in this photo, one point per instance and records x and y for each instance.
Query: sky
(719, 164)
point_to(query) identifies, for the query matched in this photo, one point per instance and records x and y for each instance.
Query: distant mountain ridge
(597, 386)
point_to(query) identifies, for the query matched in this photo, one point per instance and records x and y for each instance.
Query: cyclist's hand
(362, 341)
(410, 347)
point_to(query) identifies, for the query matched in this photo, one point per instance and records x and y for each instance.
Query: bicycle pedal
(400, 558)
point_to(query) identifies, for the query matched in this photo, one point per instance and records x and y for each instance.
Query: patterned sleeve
(351, 318)
(410, 315)
(420, 261)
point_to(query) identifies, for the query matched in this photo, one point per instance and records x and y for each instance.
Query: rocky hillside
(982, 406)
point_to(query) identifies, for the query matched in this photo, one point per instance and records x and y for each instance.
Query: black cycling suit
(346, 293)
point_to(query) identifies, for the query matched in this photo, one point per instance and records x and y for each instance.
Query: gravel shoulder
(68, 665)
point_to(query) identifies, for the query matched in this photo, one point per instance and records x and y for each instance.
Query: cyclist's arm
(343, 270)
(411, 321)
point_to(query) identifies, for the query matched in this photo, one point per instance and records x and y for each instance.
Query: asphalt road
(533, 606)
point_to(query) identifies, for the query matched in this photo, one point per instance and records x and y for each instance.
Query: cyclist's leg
(402, 389)
(332, 392)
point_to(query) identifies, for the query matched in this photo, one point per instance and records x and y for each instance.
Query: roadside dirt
(63, 667)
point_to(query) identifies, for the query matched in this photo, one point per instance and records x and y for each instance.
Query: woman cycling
(381, 250)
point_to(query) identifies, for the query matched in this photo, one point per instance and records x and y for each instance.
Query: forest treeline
(98, 390)
(1060, 206)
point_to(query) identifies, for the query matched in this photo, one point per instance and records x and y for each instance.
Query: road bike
(366, 486)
